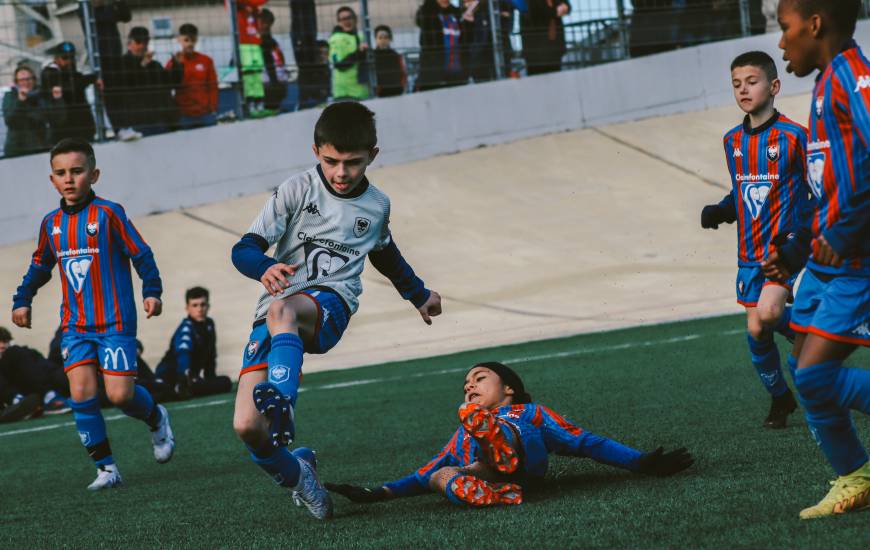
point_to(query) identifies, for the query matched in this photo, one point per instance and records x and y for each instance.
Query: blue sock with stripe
(142, 407)
(792, 366)
(765, 357)
(826, 394)
(285, 364)
(92, 430)
(782, 326)
(281, 465)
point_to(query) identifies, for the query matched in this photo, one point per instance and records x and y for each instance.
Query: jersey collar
(70, 210)
(748, 129)
(360, 189)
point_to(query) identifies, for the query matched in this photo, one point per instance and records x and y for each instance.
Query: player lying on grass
(503, 442)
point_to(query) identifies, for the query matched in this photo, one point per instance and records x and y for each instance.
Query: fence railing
(125, 69)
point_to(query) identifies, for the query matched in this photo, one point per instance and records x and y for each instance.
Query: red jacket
(247, 13)
(197, 94)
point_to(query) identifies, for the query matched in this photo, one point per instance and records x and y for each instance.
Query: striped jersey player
(323, 224)
(770, 200)
(91, 242)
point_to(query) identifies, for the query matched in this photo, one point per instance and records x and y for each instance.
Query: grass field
(684, 384)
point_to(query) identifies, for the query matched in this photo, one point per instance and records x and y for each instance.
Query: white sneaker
(108, 477)
(162, 438)
(310, 492)
(128, 134)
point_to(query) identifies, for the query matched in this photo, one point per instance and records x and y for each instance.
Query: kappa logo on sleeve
(755, 195)
(76, 269)
(863, 82)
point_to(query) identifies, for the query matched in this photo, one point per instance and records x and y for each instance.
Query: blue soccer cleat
(278, 410)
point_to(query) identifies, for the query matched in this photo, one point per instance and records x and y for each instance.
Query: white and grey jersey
(325, 234)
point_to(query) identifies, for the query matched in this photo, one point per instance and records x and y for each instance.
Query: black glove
(712, 216)
(362, 495)
(794, 251)
(662, 464)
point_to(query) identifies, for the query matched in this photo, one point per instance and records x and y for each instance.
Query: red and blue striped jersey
(838, 161)
(92, 246)
(769, 195)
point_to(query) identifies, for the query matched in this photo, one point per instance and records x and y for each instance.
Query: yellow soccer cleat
(850, 493)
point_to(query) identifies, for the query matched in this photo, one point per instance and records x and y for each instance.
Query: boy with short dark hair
(392, 77)
(196, 92)
(92, 243)
(832, 307)
(770, 202)
(324, 222)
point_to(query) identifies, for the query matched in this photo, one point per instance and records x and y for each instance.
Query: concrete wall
(191, 168)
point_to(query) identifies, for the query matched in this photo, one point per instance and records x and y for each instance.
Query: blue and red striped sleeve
(418, 482)
(39, 272)
(137, 250)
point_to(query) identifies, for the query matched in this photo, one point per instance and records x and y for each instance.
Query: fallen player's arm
(406, 487)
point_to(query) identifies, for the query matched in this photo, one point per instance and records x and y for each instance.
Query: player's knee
(281, 312)
(249, 430)
(120, 396)
(757, 331)
(769, 315)
(438, 481)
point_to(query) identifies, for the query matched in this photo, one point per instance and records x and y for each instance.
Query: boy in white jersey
(323, 223)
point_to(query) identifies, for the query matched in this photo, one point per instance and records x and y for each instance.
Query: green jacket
(349, 73)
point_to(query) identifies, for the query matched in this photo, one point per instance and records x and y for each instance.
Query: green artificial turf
(683, 384)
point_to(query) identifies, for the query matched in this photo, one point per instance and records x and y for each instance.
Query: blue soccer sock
(792, 366)
(142, 406)
(92, 430)
(285, 363)
(823, 392)
(281, 465)
(765, 357)
(782, 326)
(848, 388)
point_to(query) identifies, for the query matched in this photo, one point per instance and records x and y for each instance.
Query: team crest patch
(65, 353)
(91, 229)
(76, 270)
(820, 103)
(740, 287)
(754, 196)
(816, 173)
(86, 438)
(361, 226)
(252, 348)
(279, 374)
(773, 153)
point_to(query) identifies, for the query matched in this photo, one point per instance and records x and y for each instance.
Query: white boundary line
(365, 381)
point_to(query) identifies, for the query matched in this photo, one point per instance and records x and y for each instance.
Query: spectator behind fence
(391, 74)
(477, 37)
(196, 94)
(317, 85)
(107, 15)
(275, 77)
(543, 35)
(27, 114)
(347, 53)
(303, 33)
(77, 121)
(190, 362)
(145, 90)
(247, 17)
(29, 384)
(440, 45)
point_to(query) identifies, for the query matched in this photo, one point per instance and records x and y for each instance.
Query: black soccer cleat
(780, 408)
(278, 410)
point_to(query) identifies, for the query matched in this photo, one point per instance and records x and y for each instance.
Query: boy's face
(383, 40)
(799, 42)
(137, 48)
(3, 347)
(344, 171)
(347, 21)
(484, 387)
(263, 26)
(197, 308)
(64, 61)
(752, 89)
(73, 176)
(187, 43)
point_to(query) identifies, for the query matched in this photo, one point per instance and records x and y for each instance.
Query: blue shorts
(834, 307)
(332, 319)
(115, 354)
(750, 281)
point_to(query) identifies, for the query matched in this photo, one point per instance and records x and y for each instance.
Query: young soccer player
(832, 306)
(503, 442)
(92, 243)
(324, 222)
(770, 202)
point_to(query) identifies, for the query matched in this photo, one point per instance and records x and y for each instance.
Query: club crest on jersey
(820, 103)
(322, 262)
(816, 173)
(76, 270)
(773, 152)
(91, 228)
(252, 348)
(755, 195)
(278, 374)
(737, 153)
(360, 226)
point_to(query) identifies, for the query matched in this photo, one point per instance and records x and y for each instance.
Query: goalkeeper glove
(662, 464)
(711, 216)
(362, 495)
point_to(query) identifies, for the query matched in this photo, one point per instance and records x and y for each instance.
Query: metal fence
(126, 69)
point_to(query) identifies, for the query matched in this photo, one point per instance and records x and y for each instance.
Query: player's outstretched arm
(662, 464)
(390, 263)
(432, 307)
(408, 486)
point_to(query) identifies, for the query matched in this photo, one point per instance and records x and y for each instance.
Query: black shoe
(29, 407)
(780, 408)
